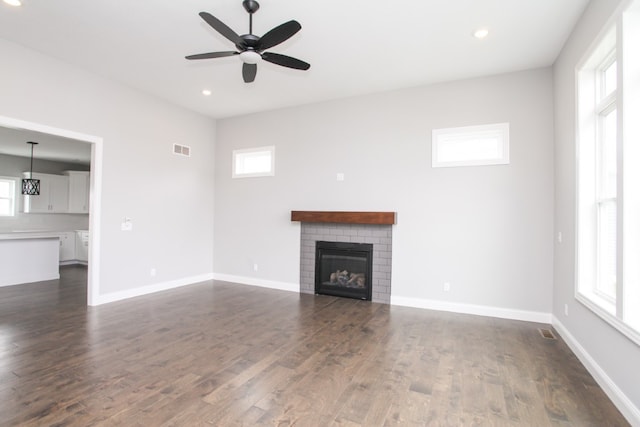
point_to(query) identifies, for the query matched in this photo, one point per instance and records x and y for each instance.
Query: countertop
(44, 234)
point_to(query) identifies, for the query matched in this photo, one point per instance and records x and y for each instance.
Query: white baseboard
(480, 310)
(503, 313)
(145, 290)
(254, 281)
(630, 411)
(74, 262)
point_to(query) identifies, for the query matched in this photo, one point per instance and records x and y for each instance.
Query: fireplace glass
(344, 269)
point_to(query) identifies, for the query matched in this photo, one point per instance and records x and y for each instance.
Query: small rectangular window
(254, 162)
(470, 146)
(7, 196)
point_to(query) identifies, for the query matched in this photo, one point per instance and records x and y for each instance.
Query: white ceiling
(13, 142)
(354, 46)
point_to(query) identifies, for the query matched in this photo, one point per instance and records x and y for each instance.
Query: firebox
(344, 269)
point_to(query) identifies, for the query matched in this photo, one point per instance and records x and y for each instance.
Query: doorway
(95, 184)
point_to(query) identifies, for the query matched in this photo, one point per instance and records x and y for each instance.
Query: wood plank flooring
(230, 355)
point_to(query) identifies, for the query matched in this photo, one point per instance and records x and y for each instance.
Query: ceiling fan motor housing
(249, 42)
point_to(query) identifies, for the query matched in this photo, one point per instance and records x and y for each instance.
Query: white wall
(611, 357)
(13, 166)
(169, 198)
(486, 230)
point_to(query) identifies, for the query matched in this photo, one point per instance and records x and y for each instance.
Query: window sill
(592, 302)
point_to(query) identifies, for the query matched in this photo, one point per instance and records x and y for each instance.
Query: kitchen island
(27, 257)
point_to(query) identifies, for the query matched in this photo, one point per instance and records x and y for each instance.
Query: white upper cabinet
(78, 191)
(53, 197)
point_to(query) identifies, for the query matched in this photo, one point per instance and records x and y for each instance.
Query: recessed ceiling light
(481, 33)
(13, 2)
(206, 92)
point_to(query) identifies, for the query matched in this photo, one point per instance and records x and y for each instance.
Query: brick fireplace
(351, 227)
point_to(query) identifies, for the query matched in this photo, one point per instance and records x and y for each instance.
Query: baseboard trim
(630, 411)
(74, 262)
(150, 289)
(253, 281)
(480, 310)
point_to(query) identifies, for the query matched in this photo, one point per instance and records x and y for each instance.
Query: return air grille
(182, 150)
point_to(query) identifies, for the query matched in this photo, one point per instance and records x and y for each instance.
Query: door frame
(95, 174)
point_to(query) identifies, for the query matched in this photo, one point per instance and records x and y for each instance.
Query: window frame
(593, 105)
(606, 103)
(246, 152)
(441, 137)
(12, 200)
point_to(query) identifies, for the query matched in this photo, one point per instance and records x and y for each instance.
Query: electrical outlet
(339, 176)
(559, 236)
(566, 309)
(152, 272)
(447, 286)
(255, 267)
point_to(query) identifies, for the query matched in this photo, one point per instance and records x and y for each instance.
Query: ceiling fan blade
(212, 55)
(278, 34)
(222, 28)
(249, 72)
(285, 61)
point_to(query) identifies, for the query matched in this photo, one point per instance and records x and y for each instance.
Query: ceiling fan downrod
(251, 6)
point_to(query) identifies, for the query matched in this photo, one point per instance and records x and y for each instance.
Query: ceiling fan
(251, 48)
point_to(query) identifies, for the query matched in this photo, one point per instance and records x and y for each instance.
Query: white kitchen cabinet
(27, 258)
(78, 191)
(82, 246)
(53, 197)
(67, 246)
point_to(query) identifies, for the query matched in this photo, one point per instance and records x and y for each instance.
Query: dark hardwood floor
(222, 354)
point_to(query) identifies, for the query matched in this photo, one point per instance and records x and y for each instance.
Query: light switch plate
(127, 225)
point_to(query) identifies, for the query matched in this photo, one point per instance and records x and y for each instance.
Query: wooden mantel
(377, 218)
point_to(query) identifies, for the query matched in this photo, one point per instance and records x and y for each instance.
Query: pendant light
(30, 186)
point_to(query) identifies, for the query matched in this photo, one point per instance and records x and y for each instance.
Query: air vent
(547, 334)
(182, 150)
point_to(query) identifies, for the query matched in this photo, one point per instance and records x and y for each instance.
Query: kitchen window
(7, 196)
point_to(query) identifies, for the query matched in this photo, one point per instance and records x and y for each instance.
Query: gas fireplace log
(344, 278)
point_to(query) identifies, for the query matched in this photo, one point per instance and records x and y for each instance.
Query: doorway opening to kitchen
(82, 242)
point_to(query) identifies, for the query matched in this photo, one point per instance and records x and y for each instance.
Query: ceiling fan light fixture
(250, 57)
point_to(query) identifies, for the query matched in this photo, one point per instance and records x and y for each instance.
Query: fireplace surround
(373, 228)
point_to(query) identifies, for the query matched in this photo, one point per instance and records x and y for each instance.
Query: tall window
(7, 196)
(608, 180)
(606, 177)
